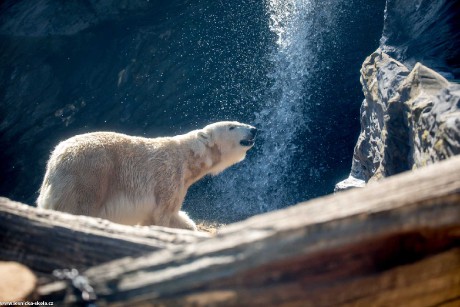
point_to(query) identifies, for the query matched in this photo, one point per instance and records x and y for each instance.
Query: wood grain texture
(45, 240)
(394, 242)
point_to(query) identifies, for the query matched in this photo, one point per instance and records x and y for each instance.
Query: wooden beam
(17, 284)
(45, 240)
(431, 281)
(353, 248)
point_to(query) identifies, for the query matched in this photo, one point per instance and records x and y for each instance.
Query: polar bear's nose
(253, 131)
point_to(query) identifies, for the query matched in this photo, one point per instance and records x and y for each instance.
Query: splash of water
(270, 176)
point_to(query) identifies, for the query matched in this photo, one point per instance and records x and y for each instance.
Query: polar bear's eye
(231, 128)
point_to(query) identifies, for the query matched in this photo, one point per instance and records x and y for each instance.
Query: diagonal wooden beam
(312, 250)
(45, 240)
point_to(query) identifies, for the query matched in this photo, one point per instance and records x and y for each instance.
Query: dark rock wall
(426, 31)
(139, 67)
(164, 67)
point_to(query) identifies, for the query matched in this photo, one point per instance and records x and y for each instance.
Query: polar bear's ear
(205, 137)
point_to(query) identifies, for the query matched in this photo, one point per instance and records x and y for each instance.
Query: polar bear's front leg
(182, 220)
(179, 219)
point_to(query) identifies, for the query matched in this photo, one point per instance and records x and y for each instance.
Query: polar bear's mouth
(250, 138)
(249, 142)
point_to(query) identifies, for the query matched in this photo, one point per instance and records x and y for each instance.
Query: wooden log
(394, 243)
(45, 240)
(17, 282)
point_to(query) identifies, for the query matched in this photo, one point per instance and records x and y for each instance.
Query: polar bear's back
(102, 174)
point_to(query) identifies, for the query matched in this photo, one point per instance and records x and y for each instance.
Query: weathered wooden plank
(426, 282)
(300, 254)
(17, 282)
(45, 240)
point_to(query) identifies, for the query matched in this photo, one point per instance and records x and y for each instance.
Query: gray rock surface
(380, 76)
(408, 120)
(349, 183)
(410, 116)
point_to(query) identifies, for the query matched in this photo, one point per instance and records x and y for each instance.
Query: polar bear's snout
(250, 138)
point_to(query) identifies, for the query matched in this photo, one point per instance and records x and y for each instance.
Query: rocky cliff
(410, 116)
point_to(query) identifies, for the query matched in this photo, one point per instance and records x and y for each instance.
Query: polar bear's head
(230, 139)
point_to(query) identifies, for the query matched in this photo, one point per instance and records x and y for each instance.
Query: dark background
(165, 67)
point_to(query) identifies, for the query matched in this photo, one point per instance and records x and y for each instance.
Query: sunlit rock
(408, 120)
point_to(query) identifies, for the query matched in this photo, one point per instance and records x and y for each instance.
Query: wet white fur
(134, 180)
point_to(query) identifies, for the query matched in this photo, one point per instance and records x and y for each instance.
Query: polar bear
(134, 180)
